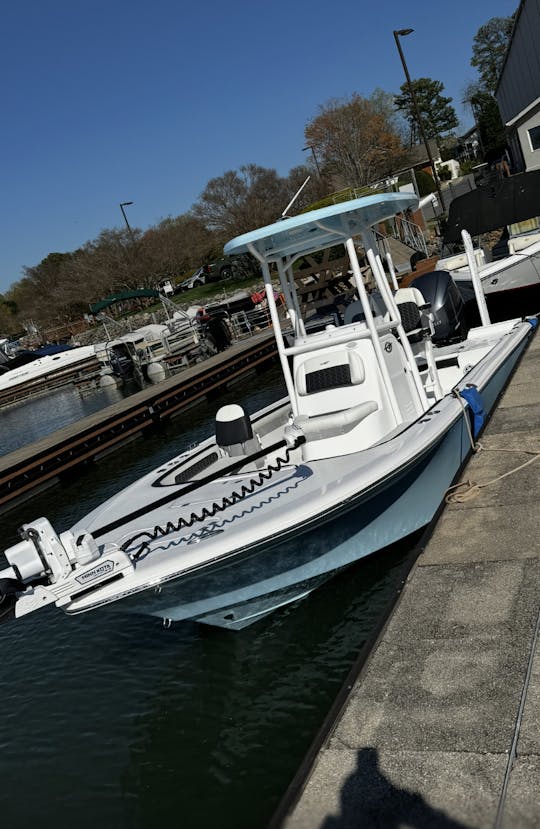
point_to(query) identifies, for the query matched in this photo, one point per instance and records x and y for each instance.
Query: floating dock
(33, 467)
(440, 725)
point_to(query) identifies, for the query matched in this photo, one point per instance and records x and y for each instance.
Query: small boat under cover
(34, 366)
(376, 423)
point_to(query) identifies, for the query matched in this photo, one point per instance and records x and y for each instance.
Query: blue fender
(476, 405)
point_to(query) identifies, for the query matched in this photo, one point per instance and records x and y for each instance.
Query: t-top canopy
(321, 228)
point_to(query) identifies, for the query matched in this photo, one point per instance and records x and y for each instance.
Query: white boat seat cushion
(343, 368)
(409, 295)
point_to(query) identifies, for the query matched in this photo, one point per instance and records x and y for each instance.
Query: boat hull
(252, 583)
(49, 368)
(511, 274)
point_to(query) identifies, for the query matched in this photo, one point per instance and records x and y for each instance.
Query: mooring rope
(468, 490)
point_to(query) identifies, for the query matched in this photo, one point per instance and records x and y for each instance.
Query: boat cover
(494, 206)
(110, 300)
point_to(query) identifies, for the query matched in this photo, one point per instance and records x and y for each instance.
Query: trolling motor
(42, 558)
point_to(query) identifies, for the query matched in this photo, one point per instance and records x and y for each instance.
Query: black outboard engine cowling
(447, 306)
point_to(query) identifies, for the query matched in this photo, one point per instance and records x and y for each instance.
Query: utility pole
(402, 33)
(122, 205)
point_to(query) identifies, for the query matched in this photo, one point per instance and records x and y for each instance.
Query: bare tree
(241, 201)
(355, 140)
(177, 245)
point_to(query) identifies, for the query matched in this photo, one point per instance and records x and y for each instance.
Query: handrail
(408, 232)
(339, 339)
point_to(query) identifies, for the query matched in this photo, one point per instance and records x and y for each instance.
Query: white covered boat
(372, 432)
(14, 374)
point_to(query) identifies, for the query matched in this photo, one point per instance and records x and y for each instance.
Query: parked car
(194, 281)
(242, 266)
(218, 271)
(229, 267)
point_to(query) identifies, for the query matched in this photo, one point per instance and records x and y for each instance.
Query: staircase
(399, 251)
(424, 266)
(401, 239)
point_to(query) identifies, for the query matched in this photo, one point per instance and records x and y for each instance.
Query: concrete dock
(441, 726)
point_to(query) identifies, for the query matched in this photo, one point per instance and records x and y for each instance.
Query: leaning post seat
(233, 430)
(410, 303)
(417, 322)
(337, 389)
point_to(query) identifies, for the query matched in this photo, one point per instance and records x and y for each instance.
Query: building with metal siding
(518, 89)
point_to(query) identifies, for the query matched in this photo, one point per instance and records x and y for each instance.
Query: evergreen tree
(436, 112)
(489, 49)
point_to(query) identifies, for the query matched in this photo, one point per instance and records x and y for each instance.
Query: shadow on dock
(369, 800)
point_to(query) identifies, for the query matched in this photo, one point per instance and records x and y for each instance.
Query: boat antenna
(284, 214)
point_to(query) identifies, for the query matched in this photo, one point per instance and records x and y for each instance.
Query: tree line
(352, 142)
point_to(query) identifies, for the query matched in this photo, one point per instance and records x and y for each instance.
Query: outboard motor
(447, 306)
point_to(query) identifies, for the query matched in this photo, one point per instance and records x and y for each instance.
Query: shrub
(445, 174)
(425, 182)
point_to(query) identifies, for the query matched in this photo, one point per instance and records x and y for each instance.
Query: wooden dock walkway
(439, 726)
(33, 467)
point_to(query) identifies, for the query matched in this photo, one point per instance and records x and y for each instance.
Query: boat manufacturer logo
(96, 572)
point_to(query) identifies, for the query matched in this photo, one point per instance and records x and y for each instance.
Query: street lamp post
(402, 33)
(309, 147)
(122, 205)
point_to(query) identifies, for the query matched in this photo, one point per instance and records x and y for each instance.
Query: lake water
(27, 421)
(109, 720)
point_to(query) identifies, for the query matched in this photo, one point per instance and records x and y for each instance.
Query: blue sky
(105, 101)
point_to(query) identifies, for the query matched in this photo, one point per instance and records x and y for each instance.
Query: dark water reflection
(27, 421)
(110, 720)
